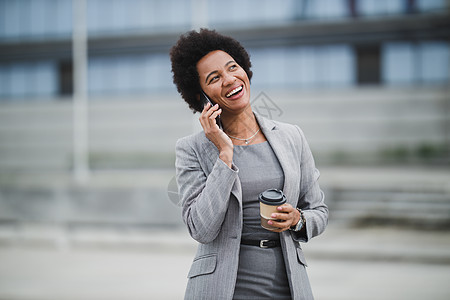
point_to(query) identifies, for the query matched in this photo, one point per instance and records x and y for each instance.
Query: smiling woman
(219, 183)
(225, 82)
(189, 49)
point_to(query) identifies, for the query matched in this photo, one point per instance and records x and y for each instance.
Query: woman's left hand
(287, 216)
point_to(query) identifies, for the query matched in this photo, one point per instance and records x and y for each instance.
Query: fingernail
(269, 222)
(273, 215)
(279, 208)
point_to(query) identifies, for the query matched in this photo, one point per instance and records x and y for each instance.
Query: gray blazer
(212, 209)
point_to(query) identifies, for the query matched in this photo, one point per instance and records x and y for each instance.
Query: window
(431, 5)
(408, 63)
(303, 66)
(379, 7)
(28, 79)
(130, 73)
(434, 62)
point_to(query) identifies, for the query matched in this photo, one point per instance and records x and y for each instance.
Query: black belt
(262, 243)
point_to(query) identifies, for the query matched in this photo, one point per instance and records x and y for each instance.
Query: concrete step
(429, 209)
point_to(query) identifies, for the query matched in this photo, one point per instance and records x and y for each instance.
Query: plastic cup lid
(272, 197)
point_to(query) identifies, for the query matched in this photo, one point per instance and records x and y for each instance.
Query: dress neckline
(244, 146)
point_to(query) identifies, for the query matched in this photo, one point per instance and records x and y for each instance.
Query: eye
(233, 67)
(214, 79)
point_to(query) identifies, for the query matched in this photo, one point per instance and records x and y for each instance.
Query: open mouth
(234, 91)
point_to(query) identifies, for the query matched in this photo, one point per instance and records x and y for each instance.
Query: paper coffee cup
(269, 200)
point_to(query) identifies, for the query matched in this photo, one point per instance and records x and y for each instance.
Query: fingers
(285, 212)
(209, 115)
(215, 114)
(284, 219)
(281, 225)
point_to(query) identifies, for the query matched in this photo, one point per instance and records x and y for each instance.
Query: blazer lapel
(275, 138)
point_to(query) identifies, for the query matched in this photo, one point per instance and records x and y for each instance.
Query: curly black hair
(189, 49)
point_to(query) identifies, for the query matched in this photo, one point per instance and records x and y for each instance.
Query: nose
(228, 79)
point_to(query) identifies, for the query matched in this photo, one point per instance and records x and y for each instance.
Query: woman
(222, 170)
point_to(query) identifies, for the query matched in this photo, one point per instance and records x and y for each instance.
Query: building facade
(367, 80)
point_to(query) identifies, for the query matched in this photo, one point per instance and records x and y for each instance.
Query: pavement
(344, 263)
(41, 261)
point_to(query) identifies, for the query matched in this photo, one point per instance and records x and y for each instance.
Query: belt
(262, 243)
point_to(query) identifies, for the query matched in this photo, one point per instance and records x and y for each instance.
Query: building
(367, 80)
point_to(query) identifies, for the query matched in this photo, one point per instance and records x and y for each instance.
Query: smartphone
(205, 99)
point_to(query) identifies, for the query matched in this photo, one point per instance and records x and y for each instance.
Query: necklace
(247, 140)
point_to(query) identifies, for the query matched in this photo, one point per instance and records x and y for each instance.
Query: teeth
(238, 89)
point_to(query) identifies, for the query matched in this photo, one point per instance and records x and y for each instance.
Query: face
(224, 81)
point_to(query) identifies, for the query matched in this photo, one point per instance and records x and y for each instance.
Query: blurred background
(89, 118)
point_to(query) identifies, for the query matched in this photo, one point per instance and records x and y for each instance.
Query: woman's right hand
(215, 134)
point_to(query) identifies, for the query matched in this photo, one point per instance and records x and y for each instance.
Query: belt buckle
(261, 244)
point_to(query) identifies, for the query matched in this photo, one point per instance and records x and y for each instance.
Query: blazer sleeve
(311, 198)
(204, 197)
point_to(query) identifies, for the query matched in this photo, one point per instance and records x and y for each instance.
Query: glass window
(129, 73)
(434, 62)
(50, 12)
(308, 72)
(64, 17)
(305, 66)
(152, 72)
(169, 13)
(27, 18)
(406, 62)
(398, 63)
(100, 15)
(37, 18)
(327, 9)
(12, 18)
(3, 14)
(395, 6)
(93, 15)
(44, 79)
(122, 15)
(137, 76)
(123, 19)
(101, 74)
(20, 74)
(216, 9)
(4, 81)
(380, 7)
(337, 65)
(28, 79)
(269, 67)
(133, 16)
(431, 5)
(161, 65)
(293, 66)
(148, 14)
(250, 11)
(24, 18)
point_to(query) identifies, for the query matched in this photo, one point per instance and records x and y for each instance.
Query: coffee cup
(269, 200)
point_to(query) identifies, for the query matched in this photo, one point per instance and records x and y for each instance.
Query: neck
(240, 125)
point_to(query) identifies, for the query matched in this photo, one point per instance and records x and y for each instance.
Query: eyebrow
(213, 72)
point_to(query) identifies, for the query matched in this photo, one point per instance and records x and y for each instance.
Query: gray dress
(261, 272)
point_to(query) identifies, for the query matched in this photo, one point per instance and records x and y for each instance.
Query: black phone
(205, 100)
